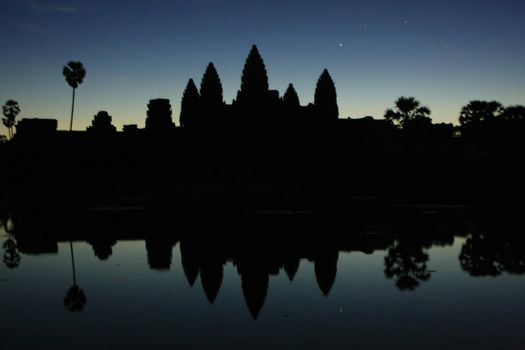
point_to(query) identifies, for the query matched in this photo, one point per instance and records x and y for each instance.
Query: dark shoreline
(304, 169)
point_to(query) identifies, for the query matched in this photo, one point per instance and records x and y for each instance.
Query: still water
(431, 282)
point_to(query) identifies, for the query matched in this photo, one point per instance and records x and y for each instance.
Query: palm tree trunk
(72, 110)
(73, 264)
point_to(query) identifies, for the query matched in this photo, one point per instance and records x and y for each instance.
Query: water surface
(428, 283)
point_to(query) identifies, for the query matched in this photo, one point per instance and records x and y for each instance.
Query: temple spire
(254, 81)
(189, 105)
(211, 87)
(325, 98)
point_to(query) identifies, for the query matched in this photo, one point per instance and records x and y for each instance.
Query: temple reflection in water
(266, 244)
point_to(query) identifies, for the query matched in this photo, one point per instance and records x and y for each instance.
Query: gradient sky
(443, 52)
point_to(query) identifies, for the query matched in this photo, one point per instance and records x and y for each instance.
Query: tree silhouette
(325, 97)
(514, 114)
(476, 113)
(511, 124)
(10, 110)
(189, 106)
(481, 124)
(254, 80)
(407, 109)
(74, 73)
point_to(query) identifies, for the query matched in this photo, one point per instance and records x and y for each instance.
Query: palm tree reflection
(11, 256)
(75, 299)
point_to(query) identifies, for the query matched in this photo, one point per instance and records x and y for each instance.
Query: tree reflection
(405, 242)
(479, 257)
(492, 254)
(513, 257)
(11, 256)
(75, 299)
(406, 262)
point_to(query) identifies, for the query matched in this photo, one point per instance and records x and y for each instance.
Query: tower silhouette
(211, 100)
(325, 98)
(101, 124)
(159, 115)
(189, 106)
(254, 80)
(255, 105)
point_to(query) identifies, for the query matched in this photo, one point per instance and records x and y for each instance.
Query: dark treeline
(264, 245)
(263, 147)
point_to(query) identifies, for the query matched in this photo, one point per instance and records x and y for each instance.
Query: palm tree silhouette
(407, 109)
(74, 73)
(476, 113)
(10, 110)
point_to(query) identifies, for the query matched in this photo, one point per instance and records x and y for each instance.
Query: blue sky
(443, 52)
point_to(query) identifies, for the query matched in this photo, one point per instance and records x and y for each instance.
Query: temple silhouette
(261, 110)
(266, 151)
(256, 106)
